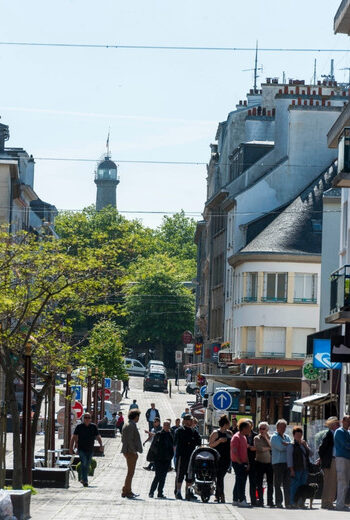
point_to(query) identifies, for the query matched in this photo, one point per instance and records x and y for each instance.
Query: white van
(134, 367)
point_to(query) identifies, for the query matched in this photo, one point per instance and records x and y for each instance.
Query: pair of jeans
(161, 468)
(222, 470)
(281, 477)
(85, 460)
(240, 481)
(299, 480)
(343, 477)
(252, 482)
(264, 468)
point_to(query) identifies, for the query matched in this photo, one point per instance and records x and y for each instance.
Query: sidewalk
(102, 499)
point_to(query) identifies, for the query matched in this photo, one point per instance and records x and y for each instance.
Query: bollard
(170, 389)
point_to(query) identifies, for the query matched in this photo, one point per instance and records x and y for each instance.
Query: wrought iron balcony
(340, 290)
(342, 18)
(250, 299)
(305, 300)
(267, 299)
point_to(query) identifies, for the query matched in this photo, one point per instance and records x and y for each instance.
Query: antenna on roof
(107, 144)
(330, 76)
(256, 68)
(315, 71)
(347, 68)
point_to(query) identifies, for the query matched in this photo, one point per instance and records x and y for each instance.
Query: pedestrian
(186, 440)
(220, 440)
(119, 423)
(342, 461)
(281, 474)
(163, 451)
(126, 387)
(239, 457)
(262, 444)
(234, 427)
(186, 412)
(83, 438)
(151, 434)
(131, 446)
(195, 424)
(328, 464)
(252, 465)
(298, 453)
(176, 426)
(103, 422)
(134, 405)
(151, 414)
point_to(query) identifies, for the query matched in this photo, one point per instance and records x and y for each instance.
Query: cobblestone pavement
(102, 499)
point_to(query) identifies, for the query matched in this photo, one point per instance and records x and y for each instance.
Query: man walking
(134, 405)
(342, 461)
(126, 387)
(163, 451)
(239, 457)
(186, 440)
(281, 474)
(84, 439)
(151, 414)
(131, 446)
(328, 464)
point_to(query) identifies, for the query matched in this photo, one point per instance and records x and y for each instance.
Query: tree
(105, 349)
(40, 285)
(176, 235)
(159, 306)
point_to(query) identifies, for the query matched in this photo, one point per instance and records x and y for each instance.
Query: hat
(187, 417)
(331, 420)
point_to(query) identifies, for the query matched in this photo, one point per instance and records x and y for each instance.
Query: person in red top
(239, 457)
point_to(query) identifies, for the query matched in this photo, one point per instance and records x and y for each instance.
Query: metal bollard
(170, 389)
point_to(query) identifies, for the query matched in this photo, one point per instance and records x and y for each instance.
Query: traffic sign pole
(102, 396)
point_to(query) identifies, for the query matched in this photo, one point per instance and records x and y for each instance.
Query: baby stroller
(202, 470)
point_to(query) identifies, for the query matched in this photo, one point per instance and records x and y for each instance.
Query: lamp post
(88, 399)
(95, 416)
(52, 409)
(27, 419)
(68, 410)
(102, 396)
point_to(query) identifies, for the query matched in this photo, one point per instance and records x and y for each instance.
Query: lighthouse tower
(106, 180)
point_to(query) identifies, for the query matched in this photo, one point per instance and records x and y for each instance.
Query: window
(299, 339)
(275, 287)
(305, 288)
(345, 226)
(251, 340)
(252, 287)
(274, 342)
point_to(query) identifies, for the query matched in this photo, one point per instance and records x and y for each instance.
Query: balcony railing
(250, 299)
(305, 300)
(340, 290)
(267, 299)
(273, 354)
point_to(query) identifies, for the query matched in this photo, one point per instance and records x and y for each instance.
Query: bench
(107, 432)
(21, 503)
(45, 477)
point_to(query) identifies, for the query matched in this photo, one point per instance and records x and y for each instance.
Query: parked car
(134, 367)
(155, 379)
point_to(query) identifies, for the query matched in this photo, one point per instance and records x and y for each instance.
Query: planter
(20, 503)
(45, 477)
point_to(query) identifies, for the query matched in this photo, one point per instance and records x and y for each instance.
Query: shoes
(190, 496)
(222, 499)
(161, 496)
(259, 504)
(178, 495)
(132, 495)
(85, 484)
(243, 503)
(271, 505)
(235, 503)
(289, 507)
(147, 468)
(217, 499)
(150, 495)
(279, 506)
(345, 508)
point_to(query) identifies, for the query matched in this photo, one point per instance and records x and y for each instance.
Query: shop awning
(264, 383)
(316, 400)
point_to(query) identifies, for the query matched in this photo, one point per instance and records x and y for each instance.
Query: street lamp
(68, 410)
(27, 419)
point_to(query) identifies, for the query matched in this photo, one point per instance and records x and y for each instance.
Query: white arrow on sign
(222, 398)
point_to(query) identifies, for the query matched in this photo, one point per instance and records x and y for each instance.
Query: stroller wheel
(205, 496)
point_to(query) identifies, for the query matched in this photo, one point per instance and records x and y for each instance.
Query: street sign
(203, 390)
(61, 415)
(107, 394)
(187, 337)
(310, 372)
(188, 349)
(78, 407)
(222, 400)
(178, 356)
(77, 390)
(322, 355)
(108, 382)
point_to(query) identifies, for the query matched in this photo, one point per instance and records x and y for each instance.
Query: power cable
(167, 47)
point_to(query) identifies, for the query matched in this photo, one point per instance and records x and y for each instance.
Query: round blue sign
(203, 390)
(222, 400)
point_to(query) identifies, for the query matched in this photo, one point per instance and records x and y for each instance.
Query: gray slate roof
(293, 231)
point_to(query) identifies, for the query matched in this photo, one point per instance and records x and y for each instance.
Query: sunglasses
(87, 417)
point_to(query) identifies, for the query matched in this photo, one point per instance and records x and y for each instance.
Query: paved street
(102, 499)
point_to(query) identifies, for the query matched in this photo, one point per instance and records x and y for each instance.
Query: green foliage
(158, 305)
(176, 235)
(104, 350)
(25, 487)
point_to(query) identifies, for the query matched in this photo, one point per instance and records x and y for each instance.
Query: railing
(298, 355)
(340, 11)
(340, 290)
(250, 299)
(266, 299)
(305, 300)
(273, 354)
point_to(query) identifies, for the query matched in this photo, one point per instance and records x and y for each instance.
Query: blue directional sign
(222, 400)
(203, 390)
(107, 382)
(77, 390)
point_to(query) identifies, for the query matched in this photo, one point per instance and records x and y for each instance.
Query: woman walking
(263, 464)
(220, 440)
(298, 453)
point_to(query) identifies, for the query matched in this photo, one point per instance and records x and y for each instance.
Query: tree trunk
(39, 399)
(17, 479)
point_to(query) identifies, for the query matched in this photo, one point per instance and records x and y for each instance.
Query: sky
(160, 105)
